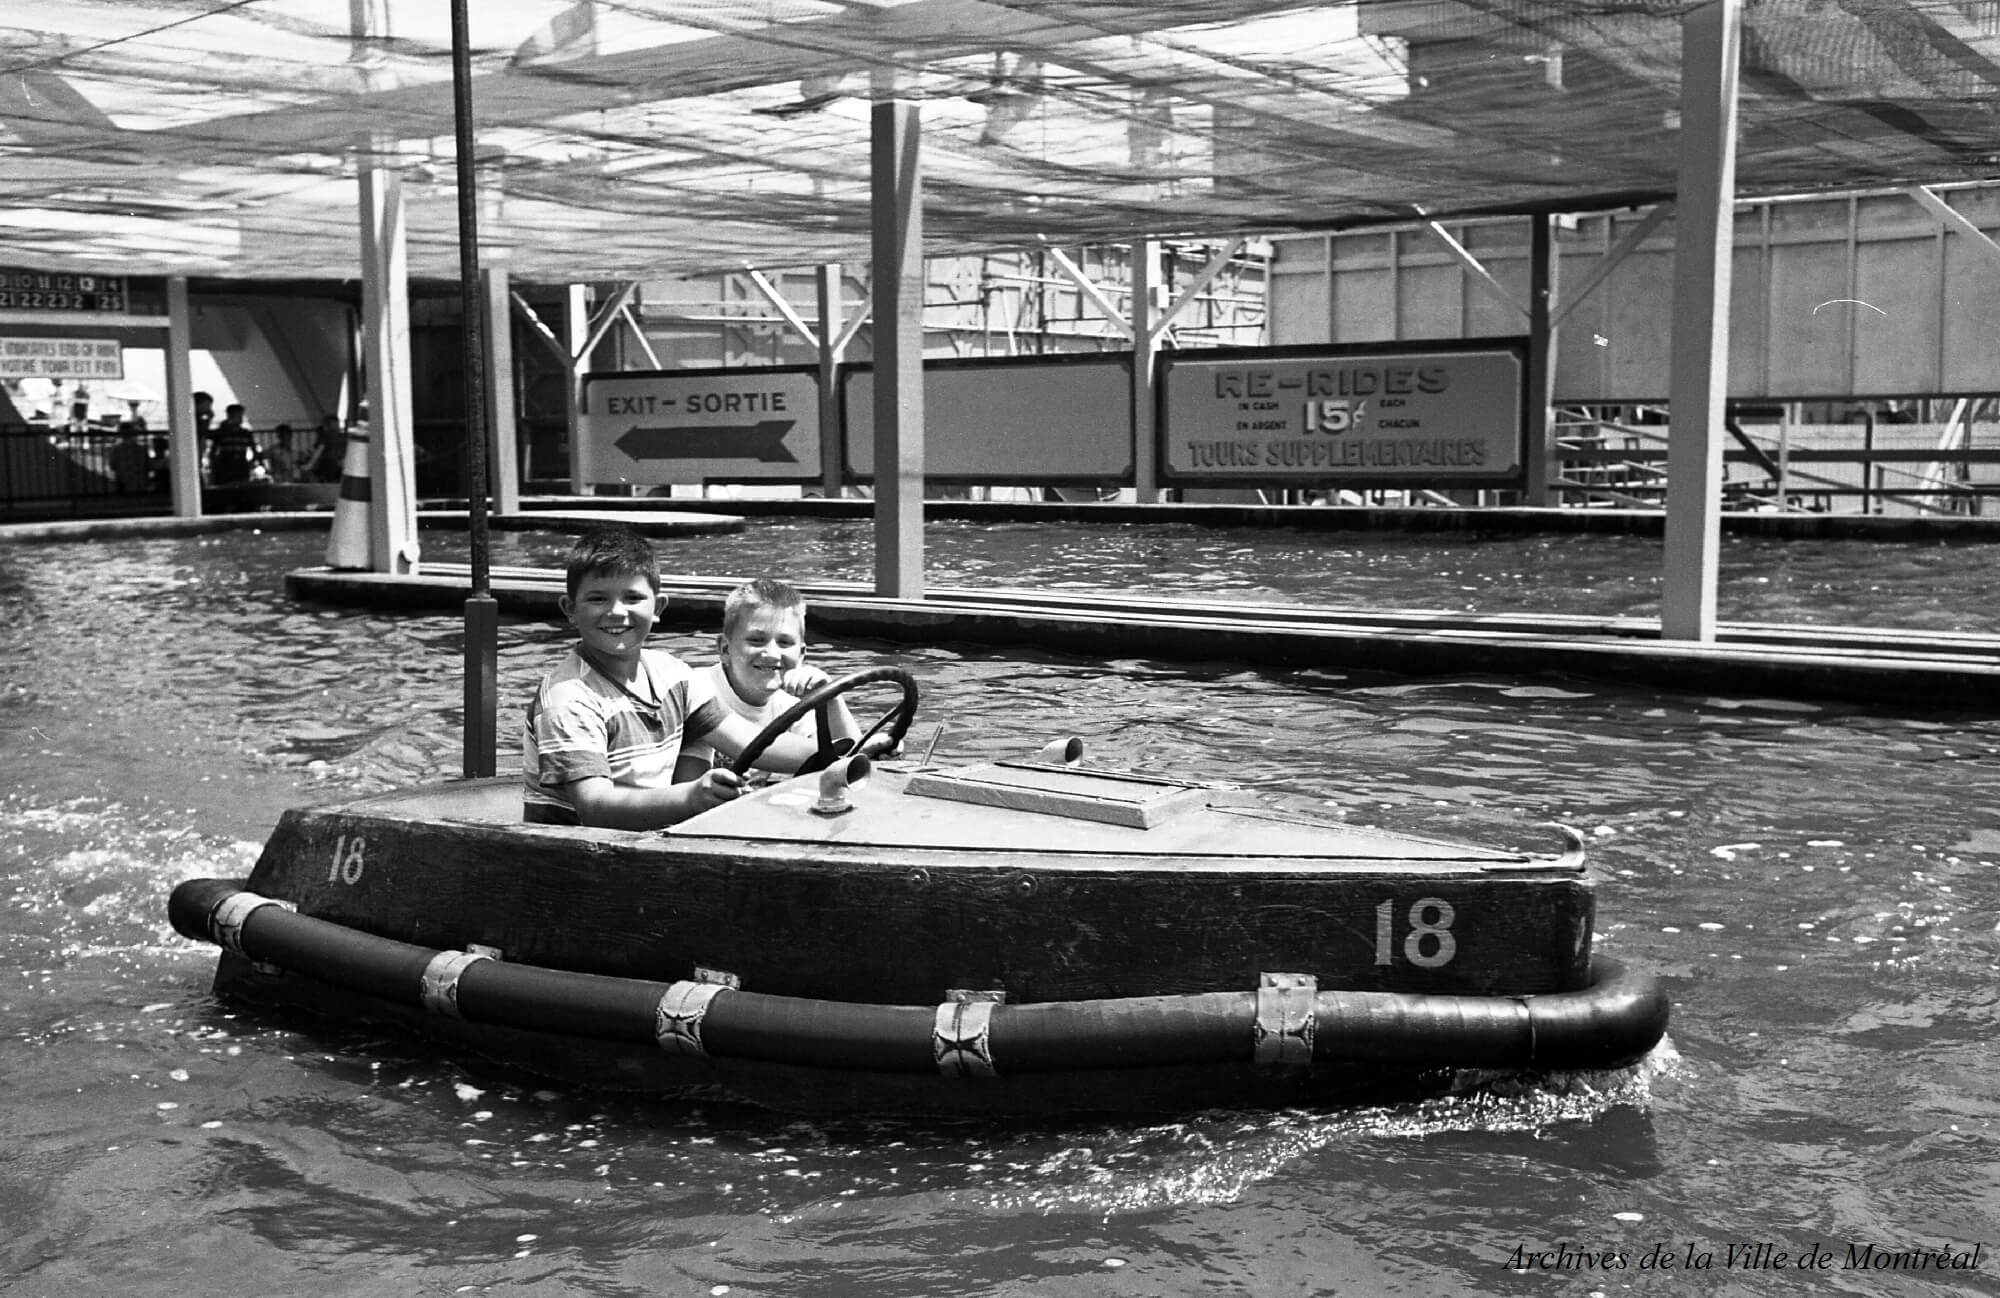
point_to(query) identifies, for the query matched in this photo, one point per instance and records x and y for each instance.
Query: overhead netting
(627, 139)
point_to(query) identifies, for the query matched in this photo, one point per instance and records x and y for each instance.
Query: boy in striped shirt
(606, 725)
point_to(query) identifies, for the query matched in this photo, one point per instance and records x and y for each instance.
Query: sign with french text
(62, 358)
(1432, 416)
(694, 426)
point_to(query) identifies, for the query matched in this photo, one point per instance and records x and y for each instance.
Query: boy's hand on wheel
(803, 680)
(717, 786)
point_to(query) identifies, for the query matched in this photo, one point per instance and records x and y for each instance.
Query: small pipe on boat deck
(834, 782)
(1061, 752)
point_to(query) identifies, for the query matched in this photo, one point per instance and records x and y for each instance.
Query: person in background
(762, 671)
(329, 452)
(604, 729)
(233, 453)
(278, 457)
(131, 465)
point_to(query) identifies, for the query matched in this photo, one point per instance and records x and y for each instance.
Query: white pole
(184, 449)
(385, 309)
(1710, 43)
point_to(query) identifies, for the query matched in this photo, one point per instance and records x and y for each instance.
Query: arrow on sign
(763, 441)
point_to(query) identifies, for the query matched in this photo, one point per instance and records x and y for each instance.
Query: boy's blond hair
(763, 592)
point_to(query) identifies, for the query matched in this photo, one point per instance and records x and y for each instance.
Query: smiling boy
(604, 729)
(762, 669)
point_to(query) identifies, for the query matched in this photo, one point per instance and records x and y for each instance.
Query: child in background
(762, 671)
(605, 728)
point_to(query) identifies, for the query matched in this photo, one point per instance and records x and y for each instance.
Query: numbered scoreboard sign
(692, 426)
(1436, 416)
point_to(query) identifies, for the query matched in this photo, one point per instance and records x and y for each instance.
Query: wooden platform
(650, 522)
(1940, 670)
(1926, 669)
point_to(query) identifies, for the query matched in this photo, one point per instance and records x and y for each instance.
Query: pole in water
(481, 611)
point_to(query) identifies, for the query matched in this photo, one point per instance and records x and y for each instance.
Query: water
(1931, 586)
(1816, 885)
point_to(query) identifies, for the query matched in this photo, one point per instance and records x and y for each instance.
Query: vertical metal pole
(576, 333)
(183, 447)
(1145, 458)
(482, 613)
(895, 147)
(832, 437)
(1868, 479)
(1541, 376)
(1785, 457)
(1710, 43)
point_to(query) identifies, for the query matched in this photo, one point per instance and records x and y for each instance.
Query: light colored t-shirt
(716, 682)
(583, 723)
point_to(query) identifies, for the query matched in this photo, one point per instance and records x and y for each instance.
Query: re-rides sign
(1430, 416)
(691, 426)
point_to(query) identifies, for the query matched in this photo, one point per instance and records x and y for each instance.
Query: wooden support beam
(1541, 376)
(575, 345)
(1145, 341)
(1480, 274)
(385, 313)
(1711, 40)
(1610, 261)
(854, 323)
(504, 450)
(790, 313)
(897, 242)
(1951, 218)
(630, 320)
(527, 312)
(831, 340)
(184, 449)
(1097, 296)
(607, 314)
(1197, 286)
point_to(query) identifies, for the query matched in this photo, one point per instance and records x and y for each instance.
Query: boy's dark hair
(612, 552)
(760, 592)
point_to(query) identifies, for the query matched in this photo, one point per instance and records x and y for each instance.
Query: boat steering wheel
(897, 719)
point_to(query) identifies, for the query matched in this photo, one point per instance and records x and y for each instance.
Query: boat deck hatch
(1111, 798)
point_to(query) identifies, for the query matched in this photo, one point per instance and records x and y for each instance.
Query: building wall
(1851, 296)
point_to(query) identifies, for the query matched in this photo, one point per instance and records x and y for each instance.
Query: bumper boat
(1030, 936)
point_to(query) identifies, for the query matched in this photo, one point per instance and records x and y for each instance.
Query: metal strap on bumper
(440, 981)
(962, 1040)
(226, 922)
(677, 1019)
(1283, 1032)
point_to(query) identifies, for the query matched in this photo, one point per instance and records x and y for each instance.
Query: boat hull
(907, 924)
(933, 956)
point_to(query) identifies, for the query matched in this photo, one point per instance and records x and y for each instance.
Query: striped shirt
(582, 723)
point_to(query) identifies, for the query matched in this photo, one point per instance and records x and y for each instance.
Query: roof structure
(631, 139)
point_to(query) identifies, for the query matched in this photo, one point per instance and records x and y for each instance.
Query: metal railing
(42, 467)
(1854, 468)
(55, 469)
